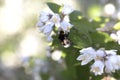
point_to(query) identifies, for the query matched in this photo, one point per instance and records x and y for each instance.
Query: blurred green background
(23, 51)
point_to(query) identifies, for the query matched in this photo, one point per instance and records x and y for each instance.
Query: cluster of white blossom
(116, 36)
(49, 20)
(105, 61)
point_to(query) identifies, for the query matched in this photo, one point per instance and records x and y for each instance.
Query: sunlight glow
(56, 55)
(11, 17)
(118, 15)
(9, 59)
(94, 11)
(109, 9)
(29, 46)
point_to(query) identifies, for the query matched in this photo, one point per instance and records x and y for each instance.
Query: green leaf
(113, 45)
(117, 75)
(75, 15)
(84, 26)
(79, 34)
(78, 39)
(83, 72)
(70, 59)
(98, 77)
(44, 76)
(99, 39)
(54, 7)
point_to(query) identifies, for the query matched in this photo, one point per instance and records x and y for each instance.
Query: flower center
(96, 69)
(54, 19)
(99, 58)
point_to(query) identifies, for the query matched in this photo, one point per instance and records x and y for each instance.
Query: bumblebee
(63, 37)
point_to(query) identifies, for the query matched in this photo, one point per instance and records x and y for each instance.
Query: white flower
(49, 20)
(56, 55)
(101, 54)
(118, 60)
(116, 36)
(67, 9)
(113, 36)
(109, 67)
(97, 67)
(44, 16)
(88, 55)
(65, 26)
(66, 18)
(47, 28)
(112, 64)
(87, 50)
(56, 20)
(103, 59)
(86, 58)
(111, 52)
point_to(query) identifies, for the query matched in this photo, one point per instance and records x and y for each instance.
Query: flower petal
(56, 20)
(65, 26)
(39, 24)
(48, 28)
(67, 9)
(44, 16)
(97, 67)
